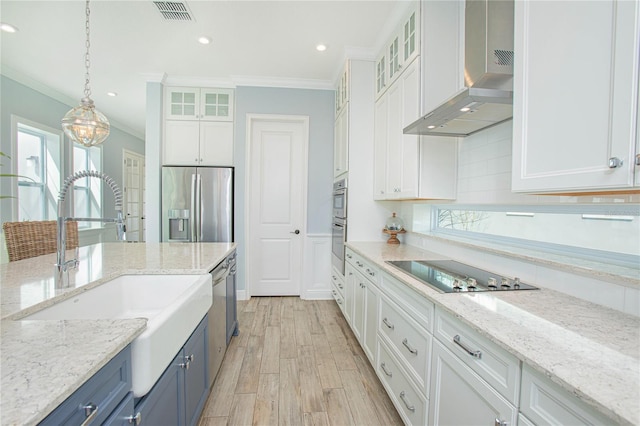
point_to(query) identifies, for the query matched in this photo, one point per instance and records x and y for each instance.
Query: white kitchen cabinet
(342, 89)
(442, 51)
(364, 319)
(190, 103)
(198, 127)
(350, 283)
(575, 98)
(398, 157)
(460, 397)
(341, 143)
(545, 403)
(198, 143)
(411, 404)
(400, 50)
(497, 367)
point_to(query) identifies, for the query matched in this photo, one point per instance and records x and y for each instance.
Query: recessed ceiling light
(465, 109)
(431, 127)
(204, 40)
(321, 48)
(8, 28)
(112, 94)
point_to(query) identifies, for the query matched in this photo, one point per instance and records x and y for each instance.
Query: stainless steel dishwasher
(218, 319)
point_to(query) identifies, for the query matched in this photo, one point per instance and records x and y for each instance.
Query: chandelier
(84, 124)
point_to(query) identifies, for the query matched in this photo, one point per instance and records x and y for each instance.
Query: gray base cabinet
(99, 396)
(181, 392)
(232, 315)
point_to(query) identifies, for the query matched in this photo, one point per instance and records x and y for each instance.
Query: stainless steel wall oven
(339, 225)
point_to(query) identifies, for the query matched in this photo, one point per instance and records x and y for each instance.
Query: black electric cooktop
(449, 276)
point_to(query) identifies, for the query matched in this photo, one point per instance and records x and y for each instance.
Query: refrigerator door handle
(193, 219)
(199, 207)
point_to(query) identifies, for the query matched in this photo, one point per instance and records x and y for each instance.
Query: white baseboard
(241, 295)
(317, 295)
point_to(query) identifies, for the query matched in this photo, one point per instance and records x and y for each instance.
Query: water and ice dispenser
(179, 225)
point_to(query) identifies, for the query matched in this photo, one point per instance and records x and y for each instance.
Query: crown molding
(291, 83)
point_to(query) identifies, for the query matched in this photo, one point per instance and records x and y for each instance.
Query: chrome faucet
(63, 265)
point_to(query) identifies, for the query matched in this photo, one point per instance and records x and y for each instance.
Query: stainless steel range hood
(488, 71)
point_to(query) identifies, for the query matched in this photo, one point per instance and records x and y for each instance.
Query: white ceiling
(254, 43)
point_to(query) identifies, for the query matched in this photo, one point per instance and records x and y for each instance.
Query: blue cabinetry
(178, 397)
(97, 397)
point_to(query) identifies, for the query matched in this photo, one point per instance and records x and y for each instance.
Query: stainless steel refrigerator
(197, 204)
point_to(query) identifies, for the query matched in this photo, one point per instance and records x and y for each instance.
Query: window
(87, 192)
(38, 160)
(609, 233)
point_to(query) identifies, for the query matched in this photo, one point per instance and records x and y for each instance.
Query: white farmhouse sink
(172, 304)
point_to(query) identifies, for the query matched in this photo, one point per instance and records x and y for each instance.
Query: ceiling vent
(174, 10)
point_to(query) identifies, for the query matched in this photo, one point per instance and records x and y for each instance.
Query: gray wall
(28, 103)
(318, 105)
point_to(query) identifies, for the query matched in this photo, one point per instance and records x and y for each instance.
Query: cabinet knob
(615, 162)
(135, 420)
(499, 422)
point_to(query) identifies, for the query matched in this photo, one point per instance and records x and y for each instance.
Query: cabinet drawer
(419, 308)
(495, 365)
(337, 281)
(105, 390)
(544, 402)
(366, 267)
(123, 415)
(411, 342)
(338, 297)
(411, 404)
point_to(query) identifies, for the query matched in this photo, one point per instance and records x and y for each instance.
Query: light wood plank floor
(296, 362)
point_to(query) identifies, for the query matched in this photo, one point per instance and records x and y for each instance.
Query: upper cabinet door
(575, 96)
(216, 104)
(410, 38)
(182, 103)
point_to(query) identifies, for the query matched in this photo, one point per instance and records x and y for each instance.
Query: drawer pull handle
(349, 256)
(384, 368)
(475, 354)
(340, 286)
(370, 272)
(387, 323)
(409, 406)
(135, 420)
(499, 422)
(335, 293)
(360, 264)
(406, 344)
(90, 411)
(339, 301)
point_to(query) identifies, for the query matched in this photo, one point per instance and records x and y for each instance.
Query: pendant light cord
(87, 60)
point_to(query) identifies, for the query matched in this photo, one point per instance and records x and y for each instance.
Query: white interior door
(133, 172)
(276, 203)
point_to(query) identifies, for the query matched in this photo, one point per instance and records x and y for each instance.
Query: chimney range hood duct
(487, 98)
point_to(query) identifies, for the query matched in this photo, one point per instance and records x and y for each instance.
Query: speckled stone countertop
(591, 351)
(44, 362)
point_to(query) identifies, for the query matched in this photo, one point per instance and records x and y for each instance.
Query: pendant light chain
(87, 59)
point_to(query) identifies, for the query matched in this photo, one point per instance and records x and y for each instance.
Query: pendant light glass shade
(86, 125)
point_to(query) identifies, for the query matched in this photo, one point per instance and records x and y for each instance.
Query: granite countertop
(591, 351)
(44, 362)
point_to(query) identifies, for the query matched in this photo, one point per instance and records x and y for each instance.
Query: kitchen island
(43, 362)
(590, 351)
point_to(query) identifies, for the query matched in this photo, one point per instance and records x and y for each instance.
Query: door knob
(297, 231)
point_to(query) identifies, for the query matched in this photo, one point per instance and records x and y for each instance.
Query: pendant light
(84, 124)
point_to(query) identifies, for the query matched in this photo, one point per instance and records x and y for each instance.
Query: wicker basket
(35, 238)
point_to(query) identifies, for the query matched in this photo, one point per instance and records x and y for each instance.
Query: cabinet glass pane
(393, 58)
(189, 110)
(211, 99)
(380, 74)
(223, 99)
(176, 97)
(410, 36)
(190, 98)
(223, 111)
